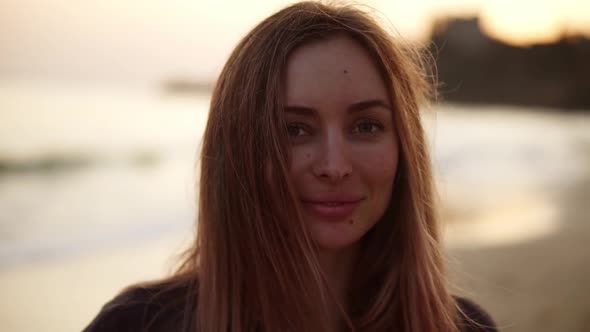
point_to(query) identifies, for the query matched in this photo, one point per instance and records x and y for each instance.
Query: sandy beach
(539, 285)
(64, 295)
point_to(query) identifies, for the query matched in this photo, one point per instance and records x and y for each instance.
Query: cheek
(301, 158)
(389, 167)
(381, 167)
(379, 174)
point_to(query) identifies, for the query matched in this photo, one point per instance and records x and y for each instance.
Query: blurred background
(103, 104)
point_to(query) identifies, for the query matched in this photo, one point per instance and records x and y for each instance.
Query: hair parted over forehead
(255, 261)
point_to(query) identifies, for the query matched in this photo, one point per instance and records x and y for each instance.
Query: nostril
(332, 163)
(334, 175)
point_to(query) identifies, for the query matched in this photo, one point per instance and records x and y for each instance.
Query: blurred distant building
(474, 68)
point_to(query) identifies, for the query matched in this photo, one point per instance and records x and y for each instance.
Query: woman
(316, 207)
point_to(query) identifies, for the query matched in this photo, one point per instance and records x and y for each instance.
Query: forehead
(336, 70)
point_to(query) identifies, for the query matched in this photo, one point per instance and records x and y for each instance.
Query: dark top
(162, 307)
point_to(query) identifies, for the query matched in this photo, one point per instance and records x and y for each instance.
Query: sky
(149, 40)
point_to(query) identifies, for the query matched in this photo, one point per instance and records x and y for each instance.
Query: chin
(336, 235)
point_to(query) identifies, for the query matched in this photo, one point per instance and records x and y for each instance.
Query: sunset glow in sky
(152, 40)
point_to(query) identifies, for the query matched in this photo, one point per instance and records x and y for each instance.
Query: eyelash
(309, 131)
(373, 123)
(297, 126)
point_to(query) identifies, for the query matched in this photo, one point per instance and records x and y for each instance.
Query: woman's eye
(296, 130)
(367, 127)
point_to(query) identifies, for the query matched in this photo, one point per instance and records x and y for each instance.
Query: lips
(332, 208)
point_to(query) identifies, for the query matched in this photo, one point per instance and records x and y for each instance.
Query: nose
(334, 162)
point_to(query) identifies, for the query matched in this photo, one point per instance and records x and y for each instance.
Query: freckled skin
(336, 154)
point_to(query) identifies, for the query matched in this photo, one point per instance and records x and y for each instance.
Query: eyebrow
(352, 108)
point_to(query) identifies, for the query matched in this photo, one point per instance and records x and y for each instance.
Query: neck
(338, 267)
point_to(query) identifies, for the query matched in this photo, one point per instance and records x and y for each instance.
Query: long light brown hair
(254, 260)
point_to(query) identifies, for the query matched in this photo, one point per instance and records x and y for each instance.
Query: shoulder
(473, 317)
(162, 306)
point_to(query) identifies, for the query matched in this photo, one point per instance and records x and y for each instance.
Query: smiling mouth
(331, 210)
(332, 203)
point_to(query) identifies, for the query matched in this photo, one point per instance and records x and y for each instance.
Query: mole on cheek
(345, 71)
(351, 221)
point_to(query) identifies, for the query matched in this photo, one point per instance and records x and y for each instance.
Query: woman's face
(343, 143)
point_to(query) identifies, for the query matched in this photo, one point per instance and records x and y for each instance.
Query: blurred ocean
(86, 168)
